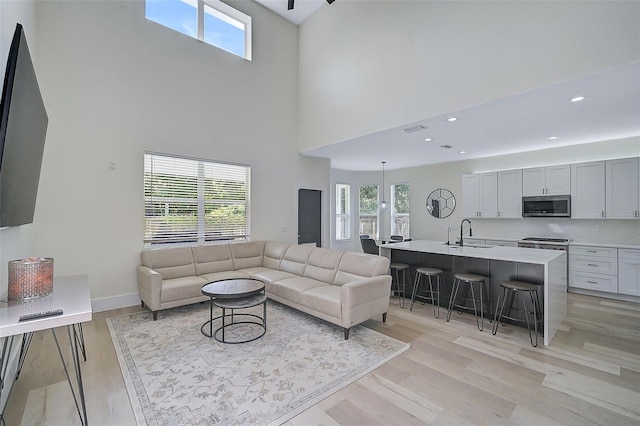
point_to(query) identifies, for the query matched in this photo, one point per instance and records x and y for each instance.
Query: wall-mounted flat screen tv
(23, 129)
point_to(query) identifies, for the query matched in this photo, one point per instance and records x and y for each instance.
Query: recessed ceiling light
(463, 152)
(452, 118)
(553, 138)
(577, 99)
(428, 139)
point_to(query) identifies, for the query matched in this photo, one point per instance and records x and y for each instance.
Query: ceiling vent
(446, 146)
(414, 129)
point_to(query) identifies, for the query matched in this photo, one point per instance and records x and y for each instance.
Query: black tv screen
(23, 129)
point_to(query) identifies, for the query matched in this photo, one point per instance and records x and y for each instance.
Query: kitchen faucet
(461, 228)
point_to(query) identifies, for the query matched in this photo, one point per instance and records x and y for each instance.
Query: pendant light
(383, 205)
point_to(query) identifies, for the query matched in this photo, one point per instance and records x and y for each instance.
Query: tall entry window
(400, 210)
(343, 210)
(369, 221)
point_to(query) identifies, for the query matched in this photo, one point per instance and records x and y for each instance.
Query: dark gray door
(310, 216)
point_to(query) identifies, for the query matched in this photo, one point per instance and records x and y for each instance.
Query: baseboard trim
(603, 294)
(115, 302)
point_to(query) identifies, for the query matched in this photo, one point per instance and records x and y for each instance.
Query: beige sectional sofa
(344, 288)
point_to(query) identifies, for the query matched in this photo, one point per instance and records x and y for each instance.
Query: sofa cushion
(323, 264)
(270, 276)
(225, 275)
(247, 255)
(181, 288)
(324, 298)
(295, 259)
(293, 288)
(170, 263)
(273, 254)
(215, 258)
(354, 266)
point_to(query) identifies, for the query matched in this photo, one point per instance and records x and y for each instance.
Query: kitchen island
(545, 267)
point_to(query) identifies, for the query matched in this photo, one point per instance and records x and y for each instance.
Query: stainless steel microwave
(547, 206)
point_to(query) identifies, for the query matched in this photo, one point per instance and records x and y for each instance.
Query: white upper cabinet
(551, 180)
(510, 194)
(480, 195)
(587, 190)
(622, 188)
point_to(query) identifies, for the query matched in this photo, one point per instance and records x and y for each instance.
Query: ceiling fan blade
(290, 5)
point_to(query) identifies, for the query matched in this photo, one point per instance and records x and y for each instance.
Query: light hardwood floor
(452, 375)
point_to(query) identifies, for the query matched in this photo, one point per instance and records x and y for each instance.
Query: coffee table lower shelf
(232, 305)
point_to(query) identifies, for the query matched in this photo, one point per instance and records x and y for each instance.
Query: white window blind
(194, 201)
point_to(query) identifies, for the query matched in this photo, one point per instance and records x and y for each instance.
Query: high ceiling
(526, 122)
(540, 119)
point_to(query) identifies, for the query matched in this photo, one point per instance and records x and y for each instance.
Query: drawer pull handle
(592, 282)
(592, 251)
(591, 264)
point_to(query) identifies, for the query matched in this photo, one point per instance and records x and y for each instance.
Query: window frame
(394, 214)
(203, 200)
(344, 217)
(377, 210)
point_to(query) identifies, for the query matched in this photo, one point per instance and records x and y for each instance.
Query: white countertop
(608, 245)
(572, 243)
(510, 254)
(71, 294)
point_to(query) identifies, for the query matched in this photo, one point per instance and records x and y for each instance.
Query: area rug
(176, 376)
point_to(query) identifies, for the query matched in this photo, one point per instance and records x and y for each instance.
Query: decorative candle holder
(30, 278)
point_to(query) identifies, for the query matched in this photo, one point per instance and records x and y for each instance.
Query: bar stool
(469, 279)
(397, 267)
(523, 287)
(428, 272)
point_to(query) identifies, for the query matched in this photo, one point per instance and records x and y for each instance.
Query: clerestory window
(210, 21)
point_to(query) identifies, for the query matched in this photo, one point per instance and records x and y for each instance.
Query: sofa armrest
(149, 286)
(365, 298)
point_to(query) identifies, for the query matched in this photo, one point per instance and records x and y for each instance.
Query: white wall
(116, 85)
(425, 179)
(368, 65)
(15, 243)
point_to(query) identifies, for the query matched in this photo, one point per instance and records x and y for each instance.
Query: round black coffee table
(235, 294)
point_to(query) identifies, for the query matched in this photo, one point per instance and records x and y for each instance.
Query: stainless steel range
(544, 243)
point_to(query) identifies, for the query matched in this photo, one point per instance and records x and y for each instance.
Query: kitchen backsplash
(593, 231)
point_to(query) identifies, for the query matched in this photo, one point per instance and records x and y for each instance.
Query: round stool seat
(520, 285)
(398, 266)
(470, 277)
(429, 271)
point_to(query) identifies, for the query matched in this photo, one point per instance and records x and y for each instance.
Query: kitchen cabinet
(550, 180)
(588, 190)
(480, 195)
(629, 272)
(593, 268)
(622, 195)
(510, 194)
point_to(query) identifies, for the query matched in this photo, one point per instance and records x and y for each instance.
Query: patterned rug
(176, 376)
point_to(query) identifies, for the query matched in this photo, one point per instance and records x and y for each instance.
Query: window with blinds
(194, 201)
